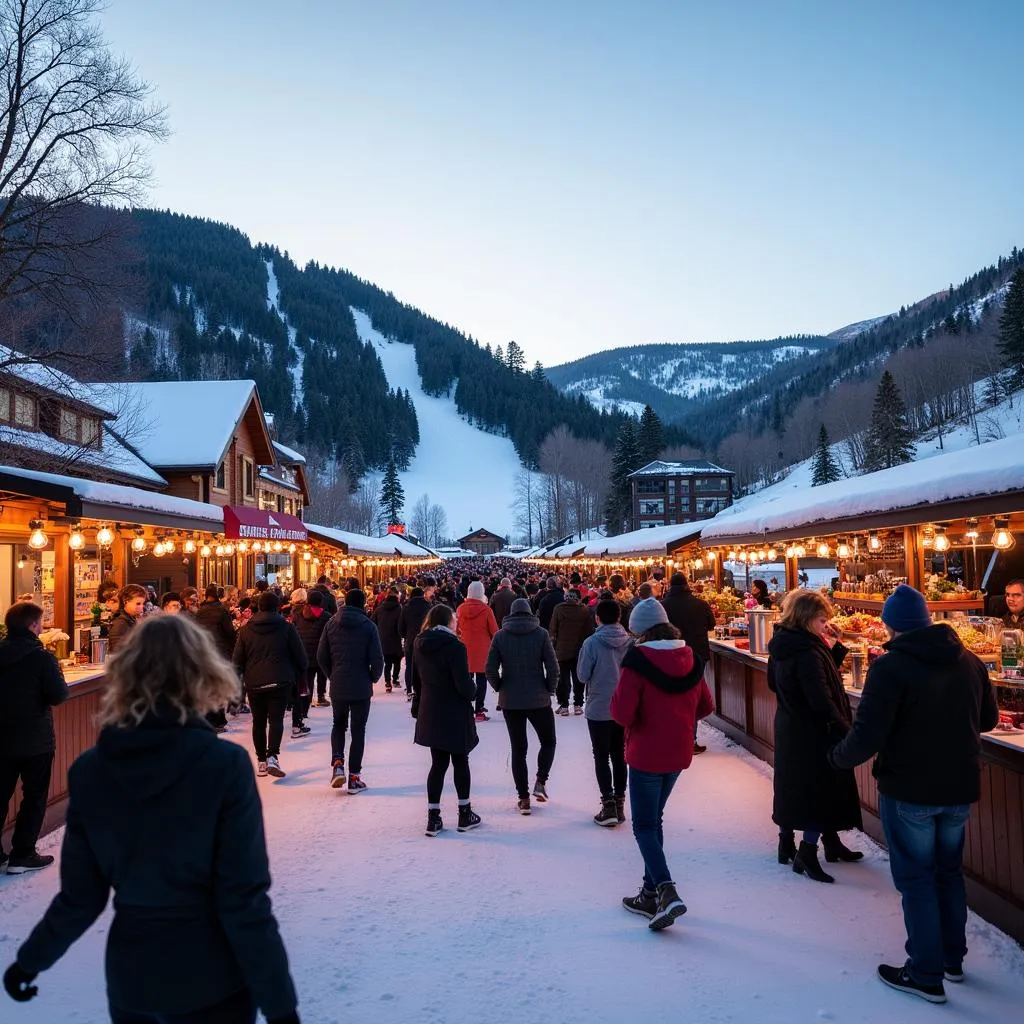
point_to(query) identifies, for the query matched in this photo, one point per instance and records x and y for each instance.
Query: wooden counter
(74, 723)
(994, 846)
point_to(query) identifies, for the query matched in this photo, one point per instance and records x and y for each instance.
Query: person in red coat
(476, 626)
(659, 698)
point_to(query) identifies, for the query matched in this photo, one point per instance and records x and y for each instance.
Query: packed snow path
(520, 920)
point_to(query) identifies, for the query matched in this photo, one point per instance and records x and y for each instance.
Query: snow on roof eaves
(659, 468)
(988, 469)
(43, 376)
(359, 544)
(290, 454)
(655, 540)
(266, 474)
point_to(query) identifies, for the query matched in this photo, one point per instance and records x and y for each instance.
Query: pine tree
(392, 496)
(650, 438)
(618, 506)
(889, 441)
(825, 468)
(538, 372)
(499, 354)
(1011, 329)
(515, 357)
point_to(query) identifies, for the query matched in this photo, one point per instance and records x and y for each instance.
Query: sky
(584, 174)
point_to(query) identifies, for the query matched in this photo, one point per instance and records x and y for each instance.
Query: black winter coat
(216, 620)
(169, 818)
(812, 715)
(350, 655)
(521, 664)
(693, 618)
(924, 706)
(549, 600)
(330, 601)
(117, 632)
(501, 603)
(388, 617)
(415, 611)
(268, 652)
(310, 628)
(443, 693)
(31, 683)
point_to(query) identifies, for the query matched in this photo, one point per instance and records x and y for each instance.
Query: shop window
(5, 405)
(68, 426)
(25, 412)
(90, 431)
(220, 479)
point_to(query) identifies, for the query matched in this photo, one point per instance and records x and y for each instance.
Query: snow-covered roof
(34, 372)
(186, 424)
(987, 470)
(701, 466)
(656, 540)
(113, 457)
(116, 501)
(360, 544)
(269, 475)
(287, 454)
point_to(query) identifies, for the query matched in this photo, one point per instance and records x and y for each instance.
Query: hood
(471, 608)
(266, 622)
(669, 665)
(145, 761)
(520, 623)
(433, 640)
(20, 643)
(679, 589)
(787, 642)
(933, 645)
(391, 601)
(309, 612)
(418, 603)
(613, 635)
(350, 617)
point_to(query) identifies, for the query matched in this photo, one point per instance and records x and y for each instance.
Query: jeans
(608, 741)
(391, 667)
(543, 722)
(268, 708)
(34, 772)
(926, 847)
(236, 1009)
(648, 794)
(808, 836)
(481, 690)
(567, 673)
(439, 761)
(360, 713)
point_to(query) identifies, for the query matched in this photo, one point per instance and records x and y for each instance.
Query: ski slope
(467, 471)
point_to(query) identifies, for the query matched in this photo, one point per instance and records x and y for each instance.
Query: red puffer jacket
(659, 699)
(475, 625)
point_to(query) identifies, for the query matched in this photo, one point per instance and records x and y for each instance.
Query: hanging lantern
(972, 530)
(843, 548)
(823, 549)
(139, 540)
(306, 556)
(168, 546)
(712, 555)
(278, 546)
(104, 536)
(190, 547)
(1002, 539)
(205, 551)
(772, 554)
(229, 549)
(799, 551)
(941, 540)
(698, 563)
(37, 539)
(292, 549)
(731, 556)
(243, 546)
(158, 549)
(874, 542)
(21, 560)
(76, 539)
(219, 550)
(257, 547)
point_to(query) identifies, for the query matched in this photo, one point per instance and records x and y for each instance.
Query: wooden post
(792, 573)
(913, 555)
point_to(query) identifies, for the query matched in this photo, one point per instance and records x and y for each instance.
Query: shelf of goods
(873, 604)
(993, 855)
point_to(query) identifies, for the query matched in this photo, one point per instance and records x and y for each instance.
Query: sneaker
(324, 702)
(540, 792)
(387, 689)
(953, 974)
(577, 710)
(699, 748)
(31, 862)
(261, 768)
(644, 903)
(297, 731)
(338, 775)
(524, 805)
(897, 977)
(607, 816)
(305, 729)
(564, 711)
(480, 716)
(244, 709)
(274, 767)
(355, 784)
(620, 808)
(670, 906)
(468, 818)
(434, 823)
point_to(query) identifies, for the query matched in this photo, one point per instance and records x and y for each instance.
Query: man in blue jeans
(924, 706)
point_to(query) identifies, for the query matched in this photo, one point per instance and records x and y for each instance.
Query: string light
(204, 551)
(139, 541)
(823, 550)
(190, 547)
(941, 540)
(168, 545)
(874, 542)
(104, 536)
(158, 549)
(76, 540)
(843, 549)
(37, 539)
(1002, 539)
(972, 530)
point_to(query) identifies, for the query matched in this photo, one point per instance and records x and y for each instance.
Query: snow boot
(524, 805)
(468, 818)
(898, 978)
(670, 906)
(644, 903)
(620, 808)
(607, 816)
(434, 823)
(787, 848)
(806, 863)
(836, 851)
(338, 775)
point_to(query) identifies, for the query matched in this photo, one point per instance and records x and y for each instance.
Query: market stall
(368, 559)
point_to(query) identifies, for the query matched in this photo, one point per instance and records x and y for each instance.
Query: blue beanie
(905, 610)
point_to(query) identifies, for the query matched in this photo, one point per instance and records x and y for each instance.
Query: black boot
(620, 808)
(468, 818)
(806, 863)
(787, 848)
(836, 851)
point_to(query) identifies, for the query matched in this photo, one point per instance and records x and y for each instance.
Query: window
(710, 506)
(248, 477)
(650, 486)
(24, 411)
(683, 505)
(220, 480)
(646, 526)
(652, 508)
(711, 483)
(90, 431)
(68, 426)
(5, 404)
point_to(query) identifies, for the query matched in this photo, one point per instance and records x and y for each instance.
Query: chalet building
(482, 542)
(669, 493)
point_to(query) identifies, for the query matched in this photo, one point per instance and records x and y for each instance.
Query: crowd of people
(629, 659)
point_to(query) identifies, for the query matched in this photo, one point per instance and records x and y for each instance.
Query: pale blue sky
(581, 175)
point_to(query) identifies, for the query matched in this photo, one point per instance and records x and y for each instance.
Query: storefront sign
(244, 523)
(398, 528)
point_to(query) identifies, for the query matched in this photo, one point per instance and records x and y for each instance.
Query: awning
(244, 523)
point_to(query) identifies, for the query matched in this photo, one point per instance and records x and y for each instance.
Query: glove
(18, 983)
(292, 1018)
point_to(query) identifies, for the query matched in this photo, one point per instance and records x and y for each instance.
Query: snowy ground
(520, 921)
(469, 472)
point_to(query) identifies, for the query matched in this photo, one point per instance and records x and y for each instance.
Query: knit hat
(520, 606)
(476, 591)
(298, 595)
(647, 613)
(505, 582)
(905, 610)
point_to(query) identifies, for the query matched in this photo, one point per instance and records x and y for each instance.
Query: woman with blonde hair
(167, 816)
(812, 715)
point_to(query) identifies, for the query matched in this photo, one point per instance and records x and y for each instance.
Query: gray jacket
(521, 664)
(598, 667)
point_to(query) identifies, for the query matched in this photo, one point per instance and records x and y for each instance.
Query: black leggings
(566, 677)
(268, 720)
(391, 666)
(439, 761)
(543, 722)
(608, 740)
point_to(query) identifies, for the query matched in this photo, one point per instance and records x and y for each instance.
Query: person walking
(812, 714)
(31, 685)
(501, 600)
(350, 655)
(132, 601)
(413, 615)
(309, 621)
(598, 668)
(215, 617)
(660, 693)
(388, 617)
(476, 626)
(925, 703)
(553, 596)
(522, 668)
(169, 818)
(571, 624)
(330, 601)
(270, 659)
(442, 704)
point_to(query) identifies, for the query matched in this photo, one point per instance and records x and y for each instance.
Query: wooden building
(482, 542)
(669, 493)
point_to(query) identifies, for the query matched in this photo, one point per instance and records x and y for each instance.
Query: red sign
(398, 528)
(243, 523)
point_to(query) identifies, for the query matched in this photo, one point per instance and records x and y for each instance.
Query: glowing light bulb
(139, 543)
(843, 549)
(205, 551)
(104, 536)
(158, 549)
(941, 540)
(823, 550)
(874, 542)
(219, 550)
(76, 541)
(189, 547)
(37, 538)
